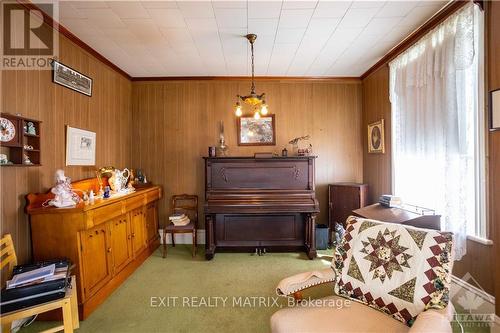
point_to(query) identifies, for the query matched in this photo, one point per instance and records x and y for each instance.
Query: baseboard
(463, 283)
(185, 238)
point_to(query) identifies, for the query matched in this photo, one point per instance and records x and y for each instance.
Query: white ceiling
(205, 38)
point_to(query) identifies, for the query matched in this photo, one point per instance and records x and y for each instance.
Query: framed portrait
(68, 77)
(80, 146)
(376, 139)
(256, 132)
(495, 110)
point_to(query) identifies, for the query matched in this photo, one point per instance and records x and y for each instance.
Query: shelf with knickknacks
(20, 140)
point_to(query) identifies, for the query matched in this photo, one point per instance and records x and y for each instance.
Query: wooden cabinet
(106, 241)
(96, 262)
(343, 198)
(138, 224)
(121, 242)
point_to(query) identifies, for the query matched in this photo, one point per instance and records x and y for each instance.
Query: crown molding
(430, 24)
(352, 79)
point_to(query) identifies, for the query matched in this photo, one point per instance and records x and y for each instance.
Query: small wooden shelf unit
(15, 148)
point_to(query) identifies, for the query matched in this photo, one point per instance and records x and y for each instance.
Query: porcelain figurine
(3, 159)
(31, 128)
(118, 180)
(64, 195)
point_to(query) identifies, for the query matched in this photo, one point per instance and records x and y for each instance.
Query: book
(176, 216)
(38, 274)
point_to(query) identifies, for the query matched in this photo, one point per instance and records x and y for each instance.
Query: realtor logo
(28, 39)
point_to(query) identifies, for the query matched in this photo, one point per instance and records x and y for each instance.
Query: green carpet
(231, 275)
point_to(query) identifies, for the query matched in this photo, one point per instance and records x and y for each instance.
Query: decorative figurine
(3, 159)
(295, 144)
(140, 176)
(107, 192)
(91, 197)
(26, 159)
(284, 152)
(64, 195)
(222, 149)
(31, 128)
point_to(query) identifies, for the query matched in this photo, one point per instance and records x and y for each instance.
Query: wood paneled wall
(176, 121)
(32, 93)
(377, 167)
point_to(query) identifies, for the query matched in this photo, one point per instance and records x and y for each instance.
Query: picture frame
(376, 137)
(494, 110)
(256, 132)
(80, 146)
(70, 78)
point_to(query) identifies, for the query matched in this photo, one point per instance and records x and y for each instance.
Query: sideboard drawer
(153, 195)
(106, 213)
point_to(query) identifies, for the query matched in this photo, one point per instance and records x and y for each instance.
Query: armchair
(351, 317)
(385, 278)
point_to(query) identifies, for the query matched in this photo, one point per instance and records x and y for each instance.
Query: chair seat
(188, 227)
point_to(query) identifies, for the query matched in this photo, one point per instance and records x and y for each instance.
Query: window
(438, 124)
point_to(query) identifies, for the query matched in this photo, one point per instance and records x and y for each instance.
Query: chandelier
(257, 102)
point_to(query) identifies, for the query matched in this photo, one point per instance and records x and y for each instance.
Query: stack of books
(179, 219)
(387, 200)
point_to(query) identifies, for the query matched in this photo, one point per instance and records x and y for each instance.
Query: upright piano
(260, 204)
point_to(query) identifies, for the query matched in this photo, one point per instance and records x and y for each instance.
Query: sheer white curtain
(434, 98)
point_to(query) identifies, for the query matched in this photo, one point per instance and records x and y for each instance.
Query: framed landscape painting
(256, 132)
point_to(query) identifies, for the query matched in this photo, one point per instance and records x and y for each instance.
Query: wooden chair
(187, 204)
(68, 304)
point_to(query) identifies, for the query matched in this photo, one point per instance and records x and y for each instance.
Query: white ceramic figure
(64, 195)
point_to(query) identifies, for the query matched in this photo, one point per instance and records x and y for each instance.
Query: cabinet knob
(109, 249)
(133, 234)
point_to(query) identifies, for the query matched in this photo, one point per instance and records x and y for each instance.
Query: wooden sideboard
(260, 204)
(106, 241)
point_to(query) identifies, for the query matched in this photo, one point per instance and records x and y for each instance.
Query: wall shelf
(15, 150)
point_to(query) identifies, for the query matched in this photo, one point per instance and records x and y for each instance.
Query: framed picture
(80, 146)
(256, 132)
(68, 77)
(376, 139)
(495, 110)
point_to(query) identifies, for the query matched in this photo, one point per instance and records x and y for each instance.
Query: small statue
(31, 128)
(26, 159)
(64, 195)
(295, 144)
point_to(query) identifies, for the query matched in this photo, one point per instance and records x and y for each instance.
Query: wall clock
(7, 130)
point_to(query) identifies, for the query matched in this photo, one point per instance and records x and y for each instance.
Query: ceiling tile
(103, 18)
(396, 8)
(289, 36)
(197, 9)
(89, 4)
(334, 9)
(262, 27)
(295, 18)
(67, 10)
(322, 26)
(380, 26)
(357, 18)
(294, 4)
(167, 17)
(201, 23)
(127, 9)
(368, 4)
(264, 9)
(229, 4)
(159, 4)
(231, 18)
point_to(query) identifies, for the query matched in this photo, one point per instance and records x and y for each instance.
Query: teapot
(118, 180)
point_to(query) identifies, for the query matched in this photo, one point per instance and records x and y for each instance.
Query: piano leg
(311, 236)
(209, 237)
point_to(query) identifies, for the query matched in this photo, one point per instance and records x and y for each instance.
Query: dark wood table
(399, 215)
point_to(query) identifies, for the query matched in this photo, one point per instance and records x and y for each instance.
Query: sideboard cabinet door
(96, 258)
(121, 243)
(151, 221)
(138, 225)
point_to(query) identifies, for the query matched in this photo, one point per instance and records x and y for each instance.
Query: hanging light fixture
(256, 101)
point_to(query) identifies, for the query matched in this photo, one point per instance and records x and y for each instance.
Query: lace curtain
(434, 96)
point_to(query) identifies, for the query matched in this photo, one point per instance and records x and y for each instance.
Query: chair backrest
(187, 204)
(8, 256)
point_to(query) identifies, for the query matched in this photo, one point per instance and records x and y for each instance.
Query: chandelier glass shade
(256, 101)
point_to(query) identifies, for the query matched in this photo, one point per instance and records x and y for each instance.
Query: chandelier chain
(253, 73)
